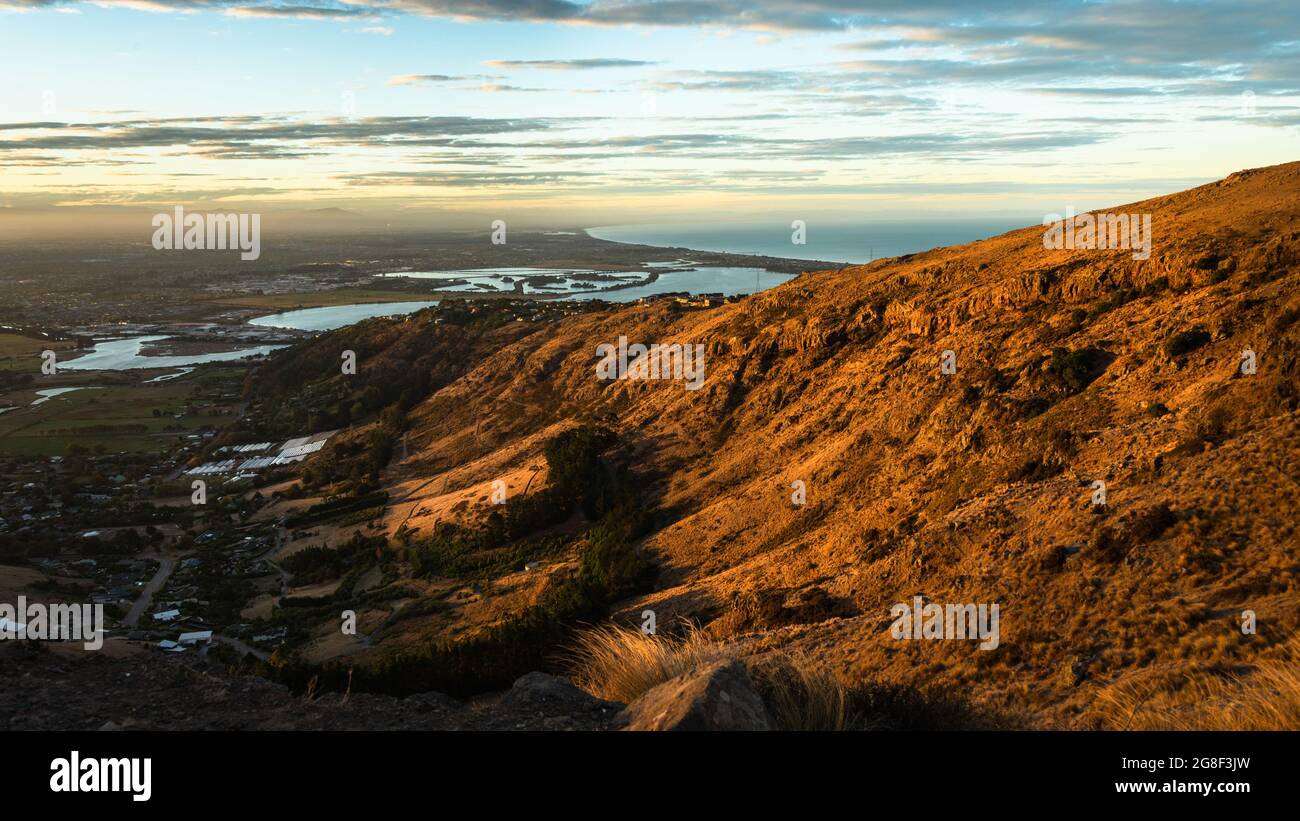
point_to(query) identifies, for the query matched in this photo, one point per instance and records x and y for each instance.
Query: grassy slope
(961, 487)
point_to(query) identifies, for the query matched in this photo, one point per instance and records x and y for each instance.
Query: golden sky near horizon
(599, 112)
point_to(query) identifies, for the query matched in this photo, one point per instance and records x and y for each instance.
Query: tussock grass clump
(621, 664)
(1266, 699)
(802, 695)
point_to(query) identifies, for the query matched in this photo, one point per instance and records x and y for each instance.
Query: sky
(593, 113)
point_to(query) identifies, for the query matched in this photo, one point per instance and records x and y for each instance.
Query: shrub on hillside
(1209, 425)
(575, 468)
(317, 564)
(1076, 369)
(1113, 544)
(1187, 341)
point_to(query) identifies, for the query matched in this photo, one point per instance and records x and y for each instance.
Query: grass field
(118, 416)
(18, 353)
(17, 345)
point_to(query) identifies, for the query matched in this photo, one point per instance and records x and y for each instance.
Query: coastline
(858, 242)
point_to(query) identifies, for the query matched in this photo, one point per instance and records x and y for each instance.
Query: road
(165, 566)
(241, 647)
(276, 544)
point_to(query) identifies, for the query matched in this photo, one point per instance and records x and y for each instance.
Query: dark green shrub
(1187, 341)
(1076, 369)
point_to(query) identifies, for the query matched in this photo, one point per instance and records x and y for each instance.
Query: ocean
(855, 242)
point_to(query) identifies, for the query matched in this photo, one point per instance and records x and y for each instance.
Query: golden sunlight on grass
(1266, 699)
(621, 664)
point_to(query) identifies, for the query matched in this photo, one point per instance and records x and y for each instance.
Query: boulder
(550, 695)
(718, 697)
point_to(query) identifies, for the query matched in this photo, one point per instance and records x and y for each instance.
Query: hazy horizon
(559, 114)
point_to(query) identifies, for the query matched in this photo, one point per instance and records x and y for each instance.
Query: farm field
(106, 413)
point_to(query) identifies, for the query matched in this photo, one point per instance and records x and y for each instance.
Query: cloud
(933, 83)
(304, 12)
(533, 142)
(438, 79)
(462, 179)
(492, 88)
(1101, 92)
(1072, 24)
(1056, 42)
(485, 82)
(253, 136)
(570, 65)
(417, 79)
(755, 80)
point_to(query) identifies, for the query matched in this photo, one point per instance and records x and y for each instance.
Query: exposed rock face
(719, 697)
(557, 702)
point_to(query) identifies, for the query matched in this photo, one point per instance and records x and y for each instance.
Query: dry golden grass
(802, 695)
(1267, 699)
(621, 664)
(831, 379)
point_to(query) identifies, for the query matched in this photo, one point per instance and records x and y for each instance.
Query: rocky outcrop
(556, 702)
(68, 688)
(719, 697)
